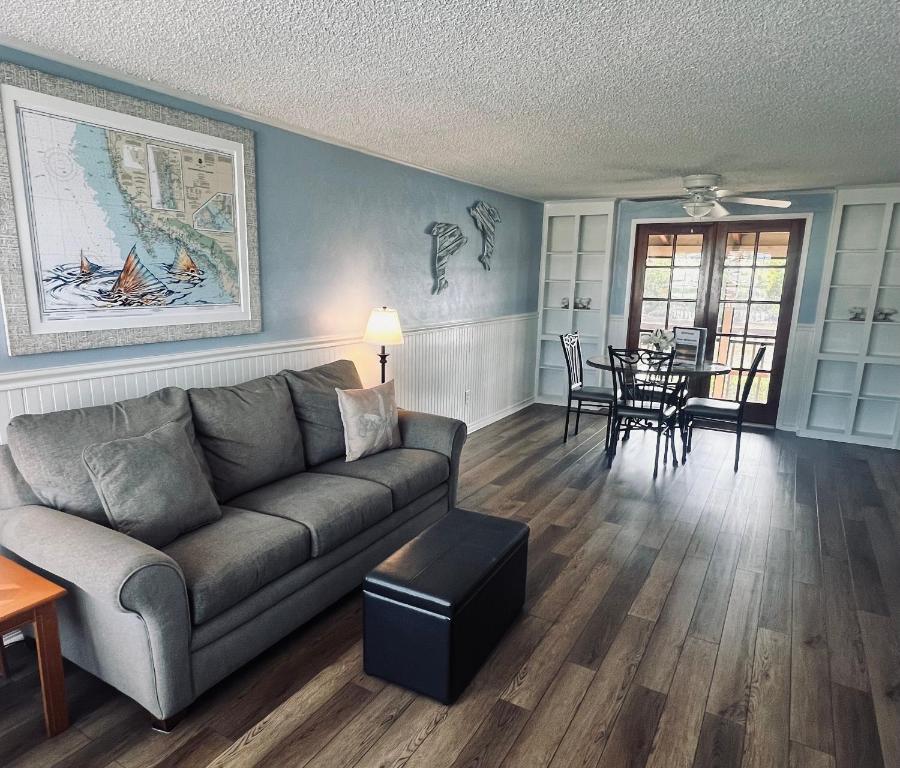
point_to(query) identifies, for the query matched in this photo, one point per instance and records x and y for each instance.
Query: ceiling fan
(703, 198)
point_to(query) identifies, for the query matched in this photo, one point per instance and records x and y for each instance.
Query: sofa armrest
(126, 617)
(436, 433)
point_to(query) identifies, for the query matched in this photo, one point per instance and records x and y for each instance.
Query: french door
(735, 278)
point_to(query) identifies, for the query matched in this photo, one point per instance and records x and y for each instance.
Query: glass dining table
(693, 371)
(689, 374)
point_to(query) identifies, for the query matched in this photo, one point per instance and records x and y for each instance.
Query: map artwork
(129, 222)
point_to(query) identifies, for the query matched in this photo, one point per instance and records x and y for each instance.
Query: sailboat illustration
(87, 267)
(136, 285)
(184, 267)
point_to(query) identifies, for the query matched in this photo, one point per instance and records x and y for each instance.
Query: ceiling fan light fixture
(697, 209)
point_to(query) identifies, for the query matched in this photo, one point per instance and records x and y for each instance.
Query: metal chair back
(642, 378)
(751, 374)
(571, 345)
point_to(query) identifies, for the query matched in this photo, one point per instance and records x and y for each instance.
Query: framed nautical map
(129, 229)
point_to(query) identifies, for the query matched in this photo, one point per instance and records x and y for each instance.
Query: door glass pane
(656, 283)
(653, 315)
(659, 251)
(767, 284)
(685, 282)
(732, 317)
(682, 313)
(739, 249)
(772, 249)
(688, 250)
(763, 319)
(736, 282)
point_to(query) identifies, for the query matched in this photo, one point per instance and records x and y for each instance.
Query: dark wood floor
(707, 618)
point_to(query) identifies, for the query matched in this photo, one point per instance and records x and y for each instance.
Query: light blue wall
(817, 203)
(340, 232)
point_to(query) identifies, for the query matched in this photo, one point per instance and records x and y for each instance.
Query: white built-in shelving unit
(853, 394)
(576, 253)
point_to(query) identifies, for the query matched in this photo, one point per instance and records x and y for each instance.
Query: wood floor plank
(768, 711)
(867, 587)
(882, 649)
(650, 600)
(364, 730)
(252, 747)
(535, 746)
(534, 677)
(491, 742)
(709, 618)
(658, 667)
(807, 564)
(811, 722)
(632, 735)
(721, 743)
(777, 592)
(598, 634)
(804, 757)
(730, 687)
(856, 742)
(847, 660)
(558, 594)
(586, 737)
(675, 742)
(316, 731)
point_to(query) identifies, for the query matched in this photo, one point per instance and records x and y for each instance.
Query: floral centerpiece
(661, 340)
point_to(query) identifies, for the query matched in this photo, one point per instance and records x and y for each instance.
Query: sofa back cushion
(47, 447)
(249, 434)
(316, 407)
(14, 491)
(152, 486)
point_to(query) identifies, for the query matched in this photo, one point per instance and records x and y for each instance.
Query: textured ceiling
(543, 99)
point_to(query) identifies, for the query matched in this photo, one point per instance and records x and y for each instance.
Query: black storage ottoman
(435, 609)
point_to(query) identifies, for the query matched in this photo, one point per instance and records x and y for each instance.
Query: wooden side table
(26, 598)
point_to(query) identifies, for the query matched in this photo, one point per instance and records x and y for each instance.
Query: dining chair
(710, 409)
(646, 395)
(599, 398)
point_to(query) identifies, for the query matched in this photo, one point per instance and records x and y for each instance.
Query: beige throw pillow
(370, 420)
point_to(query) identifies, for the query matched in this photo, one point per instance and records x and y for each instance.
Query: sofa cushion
(230, 559)
(370, 420)
(249, 434)
(334, 509)
(316, 407)
(47, 447)
(407, 472)
(152, 486)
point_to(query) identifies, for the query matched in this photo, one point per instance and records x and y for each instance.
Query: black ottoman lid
(445, 564)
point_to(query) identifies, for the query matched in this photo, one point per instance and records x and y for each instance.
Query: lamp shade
(384, 327)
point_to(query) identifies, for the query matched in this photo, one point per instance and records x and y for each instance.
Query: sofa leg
(168, 725)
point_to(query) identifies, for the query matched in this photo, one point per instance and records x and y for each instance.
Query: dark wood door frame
(707, 307)
(639, 262)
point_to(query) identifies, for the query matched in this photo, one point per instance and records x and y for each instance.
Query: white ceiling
(544, 99)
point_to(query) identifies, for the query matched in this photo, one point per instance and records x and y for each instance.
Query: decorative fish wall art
(486, 218)
(448, 239)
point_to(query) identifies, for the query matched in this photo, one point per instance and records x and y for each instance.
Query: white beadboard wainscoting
(477, 371)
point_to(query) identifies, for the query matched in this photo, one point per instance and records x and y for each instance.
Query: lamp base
(383, 356)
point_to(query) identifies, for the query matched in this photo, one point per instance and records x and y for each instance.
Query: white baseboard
(502, 414)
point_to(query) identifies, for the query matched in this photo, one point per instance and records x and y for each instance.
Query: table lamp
(383, 328)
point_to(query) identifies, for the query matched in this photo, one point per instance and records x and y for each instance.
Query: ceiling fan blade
(719, 211)
(720, 193)
(764, 201)
(654, 199)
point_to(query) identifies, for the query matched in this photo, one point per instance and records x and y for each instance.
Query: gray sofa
(300, 527)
